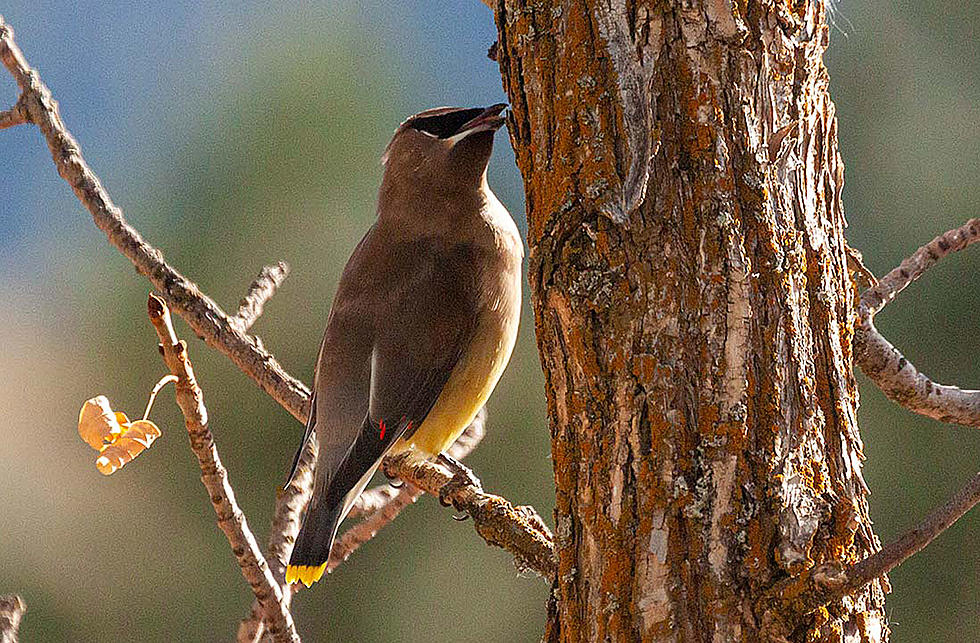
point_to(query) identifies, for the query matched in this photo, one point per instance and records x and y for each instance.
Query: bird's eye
(445, 125)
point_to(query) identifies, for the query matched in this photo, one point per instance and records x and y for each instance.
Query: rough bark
(693, 311)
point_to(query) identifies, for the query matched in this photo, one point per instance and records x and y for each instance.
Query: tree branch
(914, 540)
(885, 365)
(793, 598)
(16, 115)
(519, 530)
(286, 522)
(231, 520)
(12, 609)
(203, 315)
(261, 290)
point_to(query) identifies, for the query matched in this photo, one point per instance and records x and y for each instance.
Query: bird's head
(444, 146)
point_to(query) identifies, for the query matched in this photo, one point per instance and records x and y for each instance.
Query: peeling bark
(693, 312)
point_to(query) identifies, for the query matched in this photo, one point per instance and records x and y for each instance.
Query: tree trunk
(693, 312)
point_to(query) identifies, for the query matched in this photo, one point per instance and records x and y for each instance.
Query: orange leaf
(137, 438)
(97, 423)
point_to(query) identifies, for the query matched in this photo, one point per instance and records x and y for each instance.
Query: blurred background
(234, 135)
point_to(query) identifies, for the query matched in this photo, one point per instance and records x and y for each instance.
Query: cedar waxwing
(423, 322)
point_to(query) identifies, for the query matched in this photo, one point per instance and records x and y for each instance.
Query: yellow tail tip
(306, 574)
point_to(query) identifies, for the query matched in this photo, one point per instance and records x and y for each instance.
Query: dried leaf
(144, 432)
(112, 434)
(98, 424)
(137, 438)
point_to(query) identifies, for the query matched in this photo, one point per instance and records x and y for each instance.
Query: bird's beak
(489, 120)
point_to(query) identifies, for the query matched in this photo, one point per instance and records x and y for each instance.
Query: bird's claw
(395, 483)
(462, 477)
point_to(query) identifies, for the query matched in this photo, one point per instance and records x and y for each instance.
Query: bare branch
(285, 527)
(874, 299)
(365, 530)
(897, 377)
(261, 290)
(12, 609)
(904, 384)
(519, 530)
(374, 499)
(914, 540)
(231, 520)
(203, 315)
(16, 115)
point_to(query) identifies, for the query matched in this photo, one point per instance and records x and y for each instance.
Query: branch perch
(231, 520)
(12, 610)
(519, 530)
(382, 504)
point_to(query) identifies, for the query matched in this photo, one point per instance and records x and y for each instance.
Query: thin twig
(261, 290)
(913, 540)
(285, 527)
(12, 609)
(374, 499)
(365, 530)
(16, 115)
(874, 299)
(885, 365)
(231, 520)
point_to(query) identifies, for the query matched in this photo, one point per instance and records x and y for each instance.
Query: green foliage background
(234, 136)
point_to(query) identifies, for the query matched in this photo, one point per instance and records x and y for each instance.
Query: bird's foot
(462, 477)
(395, 483)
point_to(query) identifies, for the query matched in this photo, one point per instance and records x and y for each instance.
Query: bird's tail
(312, 550)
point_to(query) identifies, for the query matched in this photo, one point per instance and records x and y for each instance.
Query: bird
(423, 322)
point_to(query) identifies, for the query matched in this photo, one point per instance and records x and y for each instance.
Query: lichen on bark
(693, 312)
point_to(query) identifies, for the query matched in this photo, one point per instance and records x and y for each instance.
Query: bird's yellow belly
(467, 390)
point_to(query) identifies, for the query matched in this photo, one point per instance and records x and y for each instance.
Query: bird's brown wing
(341, 382)
(421, 330)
